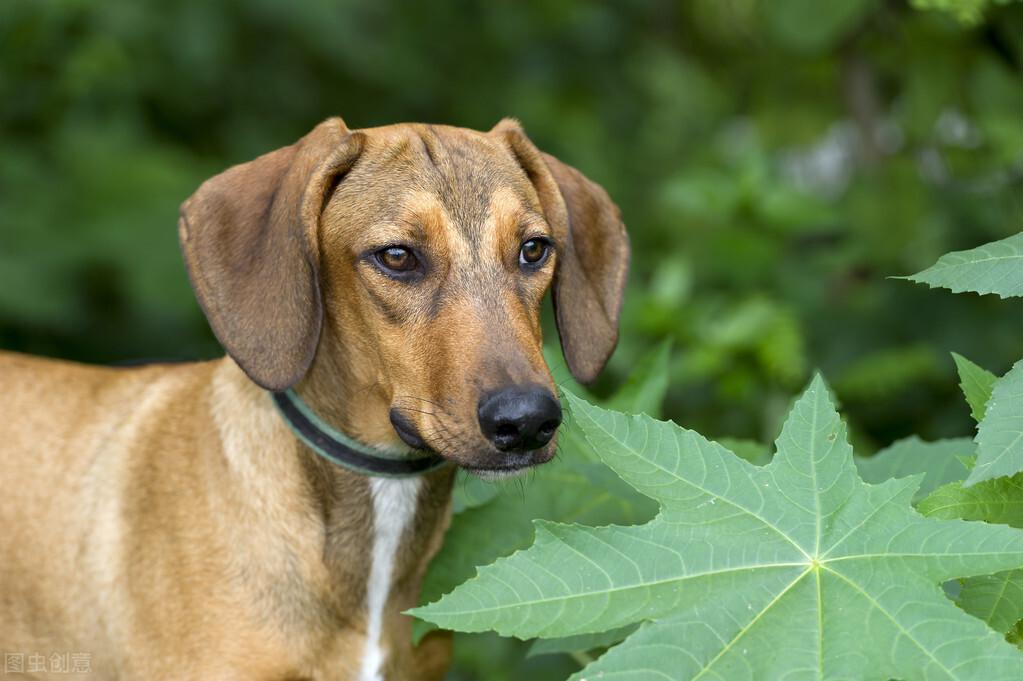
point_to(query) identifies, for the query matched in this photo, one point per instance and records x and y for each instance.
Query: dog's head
(419, 256)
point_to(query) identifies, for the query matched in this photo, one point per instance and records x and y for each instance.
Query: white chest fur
(394, 506)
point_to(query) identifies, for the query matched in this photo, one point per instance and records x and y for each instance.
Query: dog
(269, 515)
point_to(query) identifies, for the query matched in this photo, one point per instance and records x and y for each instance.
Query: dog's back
(66, 476)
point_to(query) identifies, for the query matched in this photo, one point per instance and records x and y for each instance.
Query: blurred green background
(776, 162)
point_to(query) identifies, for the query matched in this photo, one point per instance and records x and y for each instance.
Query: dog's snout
(519, 418)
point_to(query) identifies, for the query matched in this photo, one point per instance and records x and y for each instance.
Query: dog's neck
(375, 535)
(349, 394)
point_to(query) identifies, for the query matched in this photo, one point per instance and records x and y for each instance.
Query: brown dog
(165, 522)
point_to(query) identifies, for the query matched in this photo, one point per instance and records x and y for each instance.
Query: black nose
(519, 418)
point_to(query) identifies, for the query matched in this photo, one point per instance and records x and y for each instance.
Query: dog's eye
(534, 252)
(397, 259)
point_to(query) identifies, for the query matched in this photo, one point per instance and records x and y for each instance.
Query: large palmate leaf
(580, 643)
(643, 391)
(796, 570)
(939, 461)
(567, 489)
(1000, 434)
(996, 267)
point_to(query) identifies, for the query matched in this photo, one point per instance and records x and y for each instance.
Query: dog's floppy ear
(593, 254)
(249, 238)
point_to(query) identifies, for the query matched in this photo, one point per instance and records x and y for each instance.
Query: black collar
(344, 451)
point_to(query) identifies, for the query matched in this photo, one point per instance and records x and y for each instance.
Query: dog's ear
(249, 238)
(593, 254)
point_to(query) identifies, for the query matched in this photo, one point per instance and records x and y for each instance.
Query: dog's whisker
(419, 399)
(418, 411)
(439, 410)
(446, 439)
(440, 434)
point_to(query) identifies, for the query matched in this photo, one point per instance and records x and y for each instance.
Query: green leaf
(976, 383)
(757, 453)
(567, 489)
(938, 461)
(882, 373)
(643, 391)
(1015, 635)
(471, 492)
(997, 599)
(580, 643)
(742, 562)
(996, 267)
(1000, 434)
(997, 501)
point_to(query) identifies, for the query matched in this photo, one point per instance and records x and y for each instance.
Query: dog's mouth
(493, 473)
(478, 458)
(406, 430)
(508, 464)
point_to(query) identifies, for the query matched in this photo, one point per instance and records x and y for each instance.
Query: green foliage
(774, 161)
(645, 388)
(987, 495)
(940, 462)
(967, 11)
(976, 383)
(991, 268)
(742, 562)
(997, 598)
(994, 501)
(756, 453)
(582, 642)
(787, 22)
(1000, 434)
(568, 490)
(886, 371)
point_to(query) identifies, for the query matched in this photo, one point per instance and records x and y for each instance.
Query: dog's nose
(519, 418)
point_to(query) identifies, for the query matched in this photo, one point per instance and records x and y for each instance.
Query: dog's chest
(394, 508)
(391, 529)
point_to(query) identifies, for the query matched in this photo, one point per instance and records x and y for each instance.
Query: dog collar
(338, 448)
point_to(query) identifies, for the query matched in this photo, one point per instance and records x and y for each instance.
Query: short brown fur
(166, 521)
